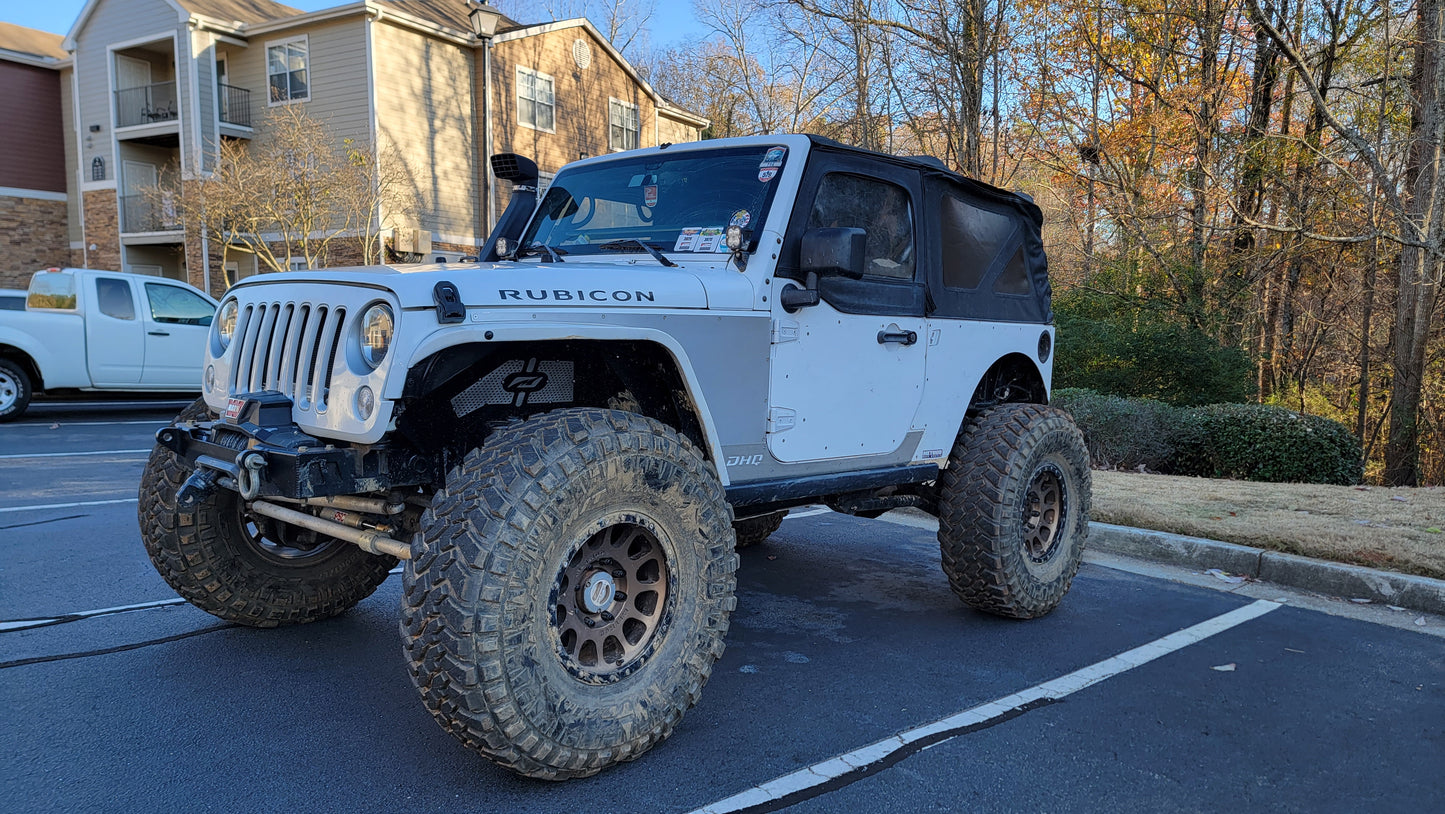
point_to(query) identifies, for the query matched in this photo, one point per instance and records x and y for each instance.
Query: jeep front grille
(288, 348)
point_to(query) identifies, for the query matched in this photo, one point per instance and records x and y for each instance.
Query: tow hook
(248, 474)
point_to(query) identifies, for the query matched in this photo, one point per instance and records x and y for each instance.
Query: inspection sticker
(687, 239)
(649, 196)
(709, 239)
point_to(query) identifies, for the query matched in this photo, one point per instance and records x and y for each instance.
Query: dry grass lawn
(1397, 529)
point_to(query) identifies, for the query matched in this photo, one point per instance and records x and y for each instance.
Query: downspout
(487, 136)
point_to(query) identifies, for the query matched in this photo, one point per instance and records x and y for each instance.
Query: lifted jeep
(567, 442)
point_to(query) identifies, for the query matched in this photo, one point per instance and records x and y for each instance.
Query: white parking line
(26, 623)
(42, 507)
(72, 454)
(804, 783)
(809, 513)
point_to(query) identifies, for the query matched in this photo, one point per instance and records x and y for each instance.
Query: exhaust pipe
(371, 541)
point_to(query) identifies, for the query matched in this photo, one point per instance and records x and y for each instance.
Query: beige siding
(675, 131)
(111, 21)
(336, 51)
(204, 64)
(425, 109)
(582, 99)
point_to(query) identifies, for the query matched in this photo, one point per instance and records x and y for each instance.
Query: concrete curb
(1332, 578)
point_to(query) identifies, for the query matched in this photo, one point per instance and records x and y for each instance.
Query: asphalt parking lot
(853, 682)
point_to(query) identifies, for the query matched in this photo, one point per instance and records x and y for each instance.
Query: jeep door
(847, 374)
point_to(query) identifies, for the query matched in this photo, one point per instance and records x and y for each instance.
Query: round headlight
(376, 330)
(226, 323)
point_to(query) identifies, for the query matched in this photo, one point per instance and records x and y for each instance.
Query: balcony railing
(235, 105)
(143, 213)
(147, 104)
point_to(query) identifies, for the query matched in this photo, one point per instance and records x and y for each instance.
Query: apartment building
(146, 85)
(36, 214)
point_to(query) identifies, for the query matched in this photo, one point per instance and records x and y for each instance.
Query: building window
(287, 63)
(536, 105)
(624, 131)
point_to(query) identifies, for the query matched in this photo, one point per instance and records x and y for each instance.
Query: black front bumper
(264, 454)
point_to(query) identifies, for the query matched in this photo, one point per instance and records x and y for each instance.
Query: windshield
(682, 202)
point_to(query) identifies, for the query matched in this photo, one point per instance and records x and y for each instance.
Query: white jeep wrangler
(568, 442)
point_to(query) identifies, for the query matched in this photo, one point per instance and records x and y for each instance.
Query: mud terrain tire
(1014, 509)
(210, 558)
(521, 548)
(754, 530)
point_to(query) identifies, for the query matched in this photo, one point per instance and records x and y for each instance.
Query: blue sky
(671, 23)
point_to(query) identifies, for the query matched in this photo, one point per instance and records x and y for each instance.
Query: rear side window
(12, 302)
(113, 298)
(51, 290)
(177, 306)
(972, 239)
(878, 208)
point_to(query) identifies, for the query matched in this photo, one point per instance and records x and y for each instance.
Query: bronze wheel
(611, 600)
(1045, 508)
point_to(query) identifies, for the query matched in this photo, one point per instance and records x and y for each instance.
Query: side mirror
(834, 251)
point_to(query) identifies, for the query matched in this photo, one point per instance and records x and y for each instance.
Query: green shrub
(1108, 346)
(1122, 433)
(1238, 441)
(1263, 442)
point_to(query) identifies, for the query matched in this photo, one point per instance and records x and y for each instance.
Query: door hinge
(784, 330)
(781, 419)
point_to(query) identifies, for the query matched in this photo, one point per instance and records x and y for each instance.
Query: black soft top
(1024, 246)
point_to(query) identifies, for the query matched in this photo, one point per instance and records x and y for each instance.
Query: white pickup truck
(90, 330)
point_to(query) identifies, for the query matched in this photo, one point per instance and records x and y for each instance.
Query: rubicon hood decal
(580, 295)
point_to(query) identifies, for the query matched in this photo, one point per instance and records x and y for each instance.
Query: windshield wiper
(629, 242)
(553, 255)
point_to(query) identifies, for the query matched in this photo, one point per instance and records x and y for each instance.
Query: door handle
(164, 333)
(901, 337)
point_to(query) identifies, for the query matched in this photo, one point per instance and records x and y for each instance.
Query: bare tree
(298, 193)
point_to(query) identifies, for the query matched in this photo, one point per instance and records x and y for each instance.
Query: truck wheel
(570, 591)
(1014, 509)
(243, 569)
(754, 530)
(14, 390)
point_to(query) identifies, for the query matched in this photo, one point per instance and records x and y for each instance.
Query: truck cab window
(879, 208)
(114, 299)
(177, 306)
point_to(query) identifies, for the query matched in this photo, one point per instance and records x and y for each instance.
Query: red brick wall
(31, 136)
(33, 235)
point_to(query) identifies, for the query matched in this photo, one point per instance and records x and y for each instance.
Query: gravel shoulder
(1397, 529)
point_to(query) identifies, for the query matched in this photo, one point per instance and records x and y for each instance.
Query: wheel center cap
(598, 592)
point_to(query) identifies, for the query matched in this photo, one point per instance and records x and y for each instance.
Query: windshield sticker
(741, 218)
(772, 160)
(708, 240)
(649, 196)
(687, 239)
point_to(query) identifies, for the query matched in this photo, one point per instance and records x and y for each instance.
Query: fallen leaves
(1225, 668)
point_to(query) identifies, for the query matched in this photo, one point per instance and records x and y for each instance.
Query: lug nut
(619, 573)
(588, 622)
(606, 616)
(619, 596)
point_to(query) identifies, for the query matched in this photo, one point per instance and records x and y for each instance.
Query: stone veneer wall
(102, 227)
(34, 234)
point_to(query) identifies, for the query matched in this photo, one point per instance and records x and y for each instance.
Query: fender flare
(451, 337)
